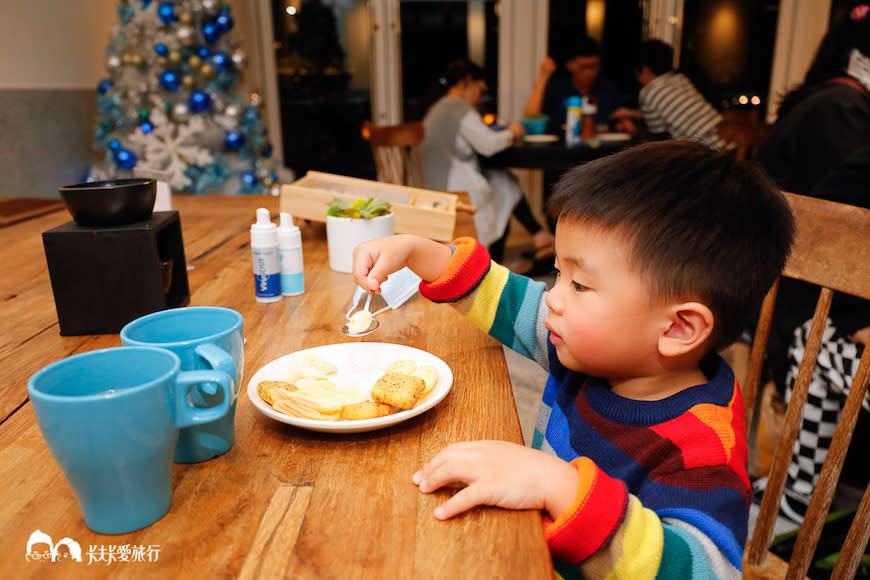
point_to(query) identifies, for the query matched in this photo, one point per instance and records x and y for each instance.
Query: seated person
(551, 91)
(455, 135)
(670, 104)
(639, 458)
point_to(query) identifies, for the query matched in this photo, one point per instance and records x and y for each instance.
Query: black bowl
(113, 202)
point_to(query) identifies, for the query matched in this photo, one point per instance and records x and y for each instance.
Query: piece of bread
(400, 391)
(400, 367)
(429, 374)
(270, 391)
(366, 410)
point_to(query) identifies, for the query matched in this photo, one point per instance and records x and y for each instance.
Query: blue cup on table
(111, 419)
(203, 337)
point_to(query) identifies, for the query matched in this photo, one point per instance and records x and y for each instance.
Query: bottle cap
(263, 231)
(575, 101)
(288, 232)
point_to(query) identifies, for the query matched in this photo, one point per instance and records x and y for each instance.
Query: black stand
(103, 278)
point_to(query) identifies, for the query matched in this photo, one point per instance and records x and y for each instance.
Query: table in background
(554, 156)
(283, 502)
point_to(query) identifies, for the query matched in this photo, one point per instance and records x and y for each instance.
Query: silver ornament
(113, 62)
(275, 189)
(209, 5)
(239, 58)
(185, 34)
(180, 112)
(233, 111)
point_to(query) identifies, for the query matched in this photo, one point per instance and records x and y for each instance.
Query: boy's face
(602, 319)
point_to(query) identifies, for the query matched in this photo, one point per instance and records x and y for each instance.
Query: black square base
(103, 278)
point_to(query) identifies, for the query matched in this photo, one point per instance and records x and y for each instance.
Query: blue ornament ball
(234, 140)
(166, 13)
(103, 86)
(224, 22)
(146, 127)
(170, 80)
(221, 61)
(199, 102)
(203, 52)
(211, 31)
(114, 144)
(124, 158)
(249, 178)
(161, 49)
(266, 151)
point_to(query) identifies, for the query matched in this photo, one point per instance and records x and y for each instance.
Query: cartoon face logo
(73, 550)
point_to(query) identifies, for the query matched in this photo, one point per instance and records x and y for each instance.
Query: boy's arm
(509, 307)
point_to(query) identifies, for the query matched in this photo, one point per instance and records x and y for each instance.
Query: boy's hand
(374, 260)
(500, 474)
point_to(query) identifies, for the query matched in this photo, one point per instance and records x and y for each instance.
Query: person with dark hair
(821, 123)
(455, 135)
(639, 457)
(670, 105)
(551, 91)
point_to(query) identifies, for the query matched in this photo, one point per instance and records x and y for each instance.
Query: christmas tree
(172, 102)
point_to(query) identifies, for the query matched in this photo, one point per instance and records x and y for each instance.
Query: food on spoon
(270, 391)
(429, 374)
(401, 367)
(365, 410)
(359, 322)
(400, 391)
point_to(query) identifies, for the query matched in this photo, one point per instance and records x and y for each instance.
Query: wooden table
(283, 502)
(555, 156)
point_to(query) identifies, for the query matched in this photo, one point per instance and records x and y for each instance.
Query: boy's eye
(578, 287)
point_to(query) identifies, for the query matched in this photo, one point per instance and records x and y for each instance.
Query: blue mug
(203, 337)
(111, 419)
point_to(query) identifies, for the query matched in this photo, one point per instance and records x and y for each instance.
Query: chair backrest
(830, 251)
(396, 152)
(744, 131)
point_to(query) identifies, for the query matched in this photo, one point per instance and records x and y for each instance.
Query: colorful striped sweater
(664, 488)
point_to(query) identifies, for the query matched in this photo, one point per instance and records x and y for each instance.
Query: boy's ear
(690, 326)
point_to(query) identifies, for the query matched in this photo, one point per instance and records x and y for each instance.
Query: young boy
(664, 252)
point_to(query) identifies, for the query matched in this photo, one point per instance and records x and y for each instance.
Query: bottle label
(267, 268)
(292, 280)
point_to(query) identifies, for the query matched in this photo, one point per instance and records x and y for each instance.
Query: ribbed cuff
(591, 522)
(468, 266)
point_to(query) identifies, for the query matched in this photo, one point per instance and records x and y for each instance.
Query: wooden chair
(396, 152)
(744, 131)
(831, 251)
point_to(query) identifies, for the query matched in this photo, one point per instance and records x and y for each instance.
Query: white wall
(54, 44)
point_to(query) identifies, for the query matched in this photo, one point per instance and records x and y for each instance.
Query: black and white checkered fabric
(837, 364)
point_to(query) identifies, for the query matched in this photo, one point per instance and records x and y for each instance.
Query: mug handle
(187, 414)
(219, 360)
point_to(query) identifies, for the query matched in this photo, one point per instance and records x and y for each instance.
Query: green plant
(360, 209)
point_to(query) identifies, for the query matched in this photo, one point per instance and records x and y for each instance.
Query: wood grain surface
(283, 502)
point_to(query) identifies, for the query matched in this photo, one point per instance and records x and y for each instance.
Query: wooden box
(427, 213)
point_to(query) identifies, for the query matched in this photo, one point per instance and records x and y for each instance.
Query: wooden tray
(427, 213)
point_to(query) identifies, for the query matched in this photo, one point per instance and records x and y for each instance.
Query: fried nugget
(366, 410)
(400, 391)
(270, 391)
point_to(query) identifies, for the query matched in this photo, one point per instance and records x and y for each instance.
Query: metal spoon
(374, 324)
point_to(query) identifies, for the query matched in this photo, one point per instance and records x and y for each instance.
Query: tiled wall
(46, 138)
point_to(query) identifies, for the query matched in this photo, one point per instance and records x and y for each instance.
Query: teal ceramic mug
(203, 337)
(111, 419)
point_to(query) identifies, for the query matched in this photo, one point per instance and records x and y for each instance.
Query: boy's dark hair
(457, 70)
(701, 225)
(655, 54)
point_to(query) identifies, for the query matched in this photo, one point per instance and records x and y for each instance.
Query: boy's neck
(659, 386)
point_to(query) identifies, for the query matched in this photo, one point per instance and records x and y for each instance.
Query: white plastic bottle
(290, 250)
(267, 265)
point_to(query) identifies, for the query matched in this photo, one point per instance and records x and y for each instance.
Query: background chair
(744, 130)
(830, 251)
(396, 152)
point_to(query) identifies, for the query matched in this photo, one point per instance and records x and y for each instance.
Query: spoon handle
(368, 300)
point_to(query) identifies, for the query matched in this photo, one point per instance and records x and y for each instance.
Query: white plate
(540, 138)
(359, 364)
(613, 137)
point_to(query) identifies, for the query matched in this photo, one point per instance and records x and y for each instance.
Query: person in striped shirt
(670, 105)
(638, 463)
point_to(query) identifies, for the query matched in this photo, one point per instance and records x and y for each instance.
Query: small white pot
(345, 234)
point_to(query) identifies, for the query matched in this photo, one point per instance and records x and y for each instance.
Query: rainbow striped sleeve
(505, 305)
